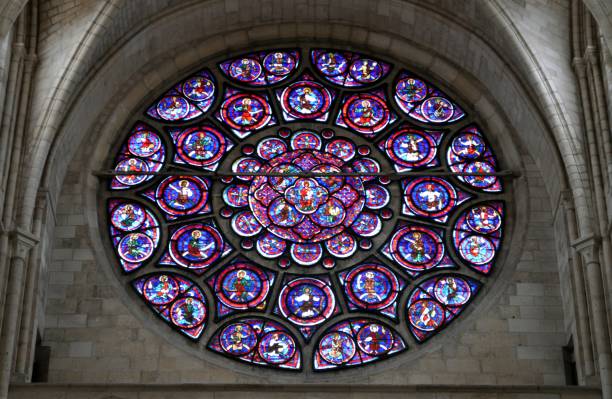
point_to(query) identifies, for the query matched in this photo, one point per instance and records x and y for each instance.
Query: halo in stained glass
(375, 339)
(135, 247)
(365, 113)
(426, 315)
(337, 347)
(306, 100)
(304, 199)
(128, 217)
(411, 90)
(279, 63)
(484, 219)
(238, 339)
(160, 289)
(201, 146)
(198, 88)
(182, 195)
(245, 69)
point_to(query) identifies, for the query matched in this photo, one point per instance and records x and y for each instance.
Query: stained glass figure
(349, 69)
(477, 235)
(373, 287)
(134, 232)
(431, 197)
(245, 113)
(263, 68)
(411, 148)
(268, 176)
(469, 153)
(365, 113)
(241, 286)
(202, 146)
(258, 341)
(308, 217)
(176, 299)
(424, 102)
(187, 100)
(307, 302)
(142, 152)
(181, 196)
(435, 302)
(355, 342)
(305, 99)
(195, 247)
(417, 249)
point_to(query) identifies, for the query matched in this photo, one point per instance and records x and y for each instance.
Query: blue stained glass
(275, 190)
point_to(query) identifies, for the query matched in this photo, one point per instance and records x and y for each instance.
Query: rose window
(305, 209)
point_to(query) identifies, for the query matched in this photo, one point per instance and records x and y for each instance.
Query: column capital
(23, 241)
(587, 246)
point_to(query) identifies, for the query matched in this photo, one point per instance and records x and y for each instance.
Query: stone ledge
(589, 392)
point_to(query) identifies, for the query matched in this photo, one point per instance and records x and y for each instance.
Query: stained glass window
(305, 209)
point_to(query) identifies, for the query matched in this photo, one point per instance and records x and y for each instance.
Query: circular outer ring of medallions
(129, 165)
(269, 60)
(378, 126)
(472, 215)
(275, 246)
(314, 88)
(149, 246)
(209, 132)
(166, 185)
(231, 101)
(343, 63)
(242, 350)
(468, 152)
(258, 298)
(328, 341)
(138, 212)
(396, 254)
(265, 342)
(172, 290)
(381, 191)
(198, 85)
(450, 193)
(167, 106)
(236, 190)
(176, 306)
(415, 95)
(430, 149)
(236, 71)
(481, 167)
(430, 104)
(362, 340)
(442, 297)
(467, 253)
(181, 260)
(135, 147)
(373, 75)
(419, 305)
(391, 294)
(322, 315)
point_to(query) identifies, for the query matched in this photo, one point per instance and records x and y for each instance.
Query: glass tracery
(292, 204)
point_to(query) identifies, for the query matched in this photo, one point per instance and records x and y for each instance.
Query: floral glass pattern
(305, 209)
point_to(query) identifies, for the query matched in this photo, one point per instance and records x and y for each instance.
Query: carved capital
(588, 247)
(22, 242)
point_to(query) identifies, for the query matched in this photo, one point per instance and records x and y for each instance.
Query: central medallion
(305, 197)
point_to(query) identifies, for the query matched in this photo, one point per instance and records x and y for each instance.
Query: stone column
(22, 243)
(588, 247)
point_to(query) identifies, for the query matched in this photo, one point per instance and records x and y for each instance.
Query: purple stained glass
(291, 167)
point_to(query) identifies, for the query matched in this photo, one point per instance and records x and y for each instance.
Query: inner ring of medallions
(252, 141)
